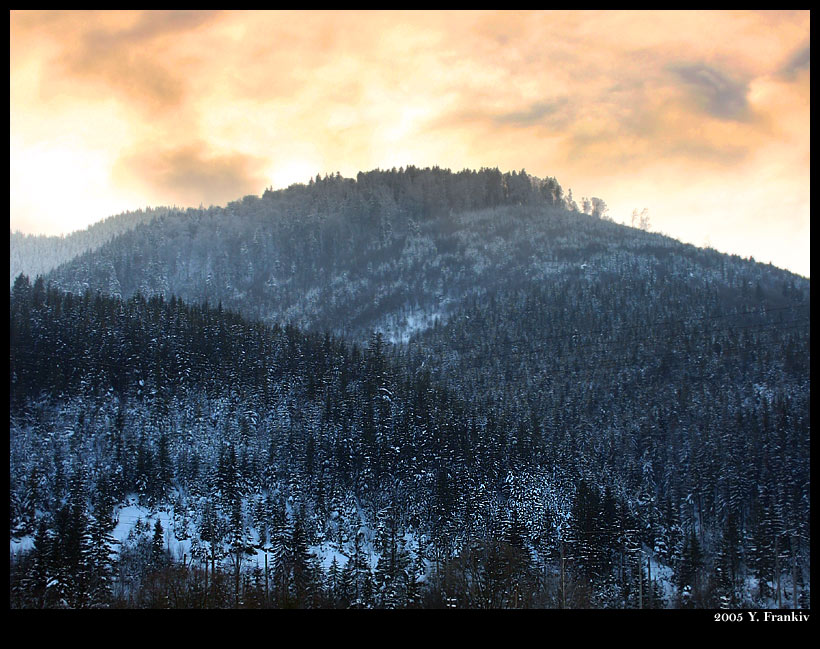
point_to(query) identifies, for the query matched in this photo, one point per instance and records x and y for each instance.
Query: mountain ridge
(386, 251)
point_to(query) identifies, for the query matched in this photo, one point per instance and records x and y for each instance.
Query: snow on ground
(663, 576)
(23, 544)
(326, 552)
(131, 511)
(399, 328)
(127, 514)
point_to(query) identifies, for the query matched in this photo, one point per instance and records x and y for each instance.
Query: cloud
(799, 61)
(191, 173)
(155, 23)
(716, 93)
(535, 114)
(198, 106)
(555, 115)
(126, 55)
(143, 82)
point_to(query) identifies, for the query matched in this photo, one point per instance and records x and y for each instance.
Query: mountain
(503, 401)
(390, 250)
(34, 255)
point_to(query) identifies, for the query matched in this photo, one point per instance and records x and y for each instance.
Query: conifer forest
(416, 388)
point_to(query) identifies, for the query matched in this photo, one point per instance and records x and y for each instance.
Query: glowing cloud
(182, 107)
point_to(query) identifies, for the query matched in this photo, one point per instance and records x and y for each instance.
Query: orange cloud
(799, 61)
(193, 173)
(599, 99)
(124, 54)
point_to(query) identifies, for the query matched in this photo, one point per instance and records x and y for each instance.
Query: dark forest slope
(569, 395)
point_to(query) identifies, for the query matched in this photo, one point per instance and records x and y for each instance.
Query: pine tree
(280, 558)
(39, 579)
(586, 546)
(300, 568)
(762, 549)
(158, 556)
(102, 565)
(390, 578)
(357, 577)
(688, 571)
(334, 583)
(727, 565)
(239, 540)
(69, 557)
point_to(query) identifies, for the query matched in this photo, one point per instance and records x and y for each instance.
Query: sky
(701, 117)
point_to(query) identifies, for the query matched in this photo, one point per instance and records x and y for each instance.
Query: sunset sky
(701, 117)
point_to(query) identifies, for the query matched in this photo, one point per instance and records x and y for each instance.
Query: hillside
(390, 250)
(34, 255)
(226, 423)
(573, 413)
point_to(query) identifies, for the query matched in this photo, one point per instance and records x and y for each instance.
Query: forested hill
(580, 479)
(689, 401)
(575, 413)
(34, 255)
(390, 250)
(258, 441)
